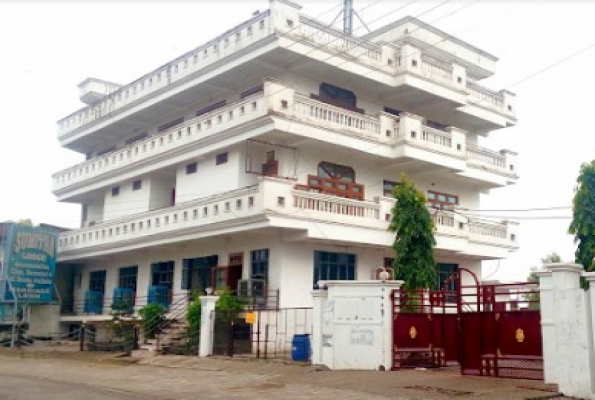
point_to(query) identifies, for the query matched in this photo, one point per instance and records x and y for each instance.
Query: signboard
(29, 264)
(250, 318)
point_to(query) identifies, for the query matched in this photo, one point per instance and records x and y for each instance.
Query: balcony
(185, 136)
(171, 74)
(385, 63)
(384, 129)
(256, 207)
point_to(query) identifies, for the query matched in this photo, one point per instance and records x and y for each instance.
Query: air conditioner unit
(251, 288)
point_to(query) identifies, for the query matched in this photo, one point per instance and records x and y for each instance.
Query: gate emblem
(413, 332)
(520, 335)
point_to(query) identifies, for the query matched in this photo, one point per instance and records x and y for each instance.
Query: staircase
(173, 338)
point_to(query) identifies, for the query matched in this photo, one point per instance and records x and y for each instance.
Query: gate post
(548, 325)
(570, 362)
(319, 329)
(207, 318)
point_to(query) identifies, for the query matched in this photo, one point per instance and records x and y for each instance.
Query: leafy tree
(533, 298)
(583, 216)
(414, 237)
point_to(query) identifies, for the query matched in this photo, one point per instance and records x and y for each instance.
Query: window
(221, 158)
(115, 191)
(97, 281)
(162, 274)
(446, 277)
(137, 138)
(388, 187)
(211, 107)
(136, 185)
(170, 124)
(128, 277)
(191, 168)
(259, 264)
(442, 201)
(334, 171)
(337, 96)
(197, 273)
(334, 266)
(251, 91)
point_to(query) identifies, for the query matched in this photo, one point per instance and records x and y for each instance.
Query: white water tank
(91, 90)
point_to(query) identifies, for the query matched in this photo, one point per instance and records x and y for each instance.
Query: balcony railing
(484, 97)
(491, 232)
(304, 109)
(310, 110)
(226, 206)
(488, 159)
(437, 71)
(278, 197)
(192, 131)
(198, 59)
(326, 204)
(93, 302)
(323, 35)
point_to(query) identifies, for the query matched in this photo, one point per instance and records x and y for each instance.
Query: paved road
(50, 379)
(53, 376)
(14, 387)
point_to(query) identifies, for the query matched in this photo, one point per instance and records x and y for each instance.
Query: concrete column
(410, 127)
(207, 320)
(459, 140)
(319, 298)
(548, 325)
(510, 157)
(459, 76)
(572, 333)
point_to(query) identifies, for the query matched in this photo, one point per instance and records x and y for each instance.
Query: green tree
(583, 216)
(533, 297)
(414, 237)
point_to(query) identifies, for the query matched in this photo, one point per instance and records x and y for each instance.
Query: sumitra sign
(29, 264)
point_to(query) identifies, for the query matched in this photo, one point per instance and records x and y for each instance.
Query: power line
(516, 210)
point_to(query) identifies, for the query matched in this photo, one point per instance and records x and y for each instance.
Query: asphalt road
(82, 376)
(27, 388)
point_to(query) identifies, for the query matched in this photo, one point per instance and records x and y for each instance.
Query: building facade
(264, 161)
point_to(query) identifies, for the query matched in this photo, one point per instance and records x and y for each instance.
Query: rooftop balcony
(405, 68)
(403, 136)
(274, 203)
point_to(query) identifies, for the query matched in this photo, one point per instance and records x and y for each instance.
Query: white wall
(160, 190)
(210, 178)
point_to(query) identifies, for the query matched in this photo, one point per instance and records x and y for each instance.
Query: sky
(546, 51)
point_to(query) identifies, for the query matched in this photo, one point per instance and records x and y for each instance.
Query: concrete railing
(198, 128)
(502, 162)
(326, 204)
(196, 60)
(310, 110)
(224, 207)
(334, 39)
(484, 97)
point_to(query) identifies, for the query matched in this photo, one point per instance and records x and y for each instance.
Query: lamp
(209, 291)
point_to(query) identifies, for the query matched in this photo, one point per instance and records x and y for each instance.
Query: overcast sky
(48, 47)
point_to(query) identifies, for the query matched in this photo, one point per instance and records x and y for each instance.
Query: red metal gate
(424, 329)
(490, 330)
(500, 329)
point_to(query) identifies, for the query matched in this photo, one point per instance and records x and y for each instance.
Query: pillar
(573, 339)
(319, 298)
(207, 319)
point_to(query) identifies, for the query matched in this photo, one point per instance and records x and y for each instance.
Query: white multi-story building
(268, 156)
